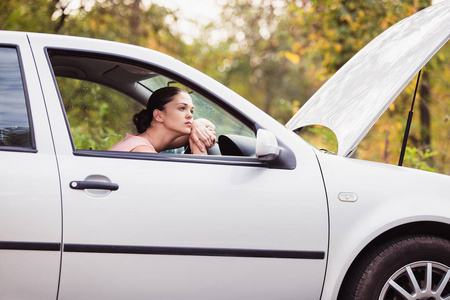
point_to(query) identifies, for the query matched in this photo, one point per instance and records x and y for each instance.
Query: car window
(225, 122)
(101, 96)
(14, 119)
(99, 116)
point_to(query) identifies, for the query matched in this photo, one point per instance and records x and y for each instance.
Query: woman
(168, 123)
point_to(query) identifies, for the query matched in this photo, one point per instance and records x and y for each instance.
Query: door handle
(98, 185)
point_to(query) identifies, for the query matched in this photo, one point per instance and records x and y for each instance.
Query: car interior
(106, 88)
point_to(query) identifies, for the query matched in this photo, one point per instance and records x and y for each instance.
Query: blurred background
(275, 53)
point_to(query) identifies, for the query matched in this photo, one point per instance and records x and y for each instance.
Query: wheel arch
(433, 228)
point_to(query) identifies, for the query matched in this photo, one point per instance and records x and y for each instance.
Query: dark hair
(157, 100)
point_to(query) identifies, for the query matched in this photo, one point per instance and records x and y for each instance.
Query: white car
(264, 216)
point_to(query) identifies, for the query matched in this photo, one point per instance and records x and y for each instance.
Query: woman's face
(178, 114)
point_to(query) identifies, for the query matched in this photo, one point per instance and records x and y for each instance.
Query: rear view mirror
(267, 148)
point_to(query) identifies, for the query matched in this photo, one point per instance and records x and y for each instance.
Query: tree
(328, 33)
(47, 16)
(129, 22)
(249, 56)
(125, 21)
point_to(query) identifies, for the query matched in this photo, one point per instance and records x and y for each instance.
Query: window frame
(180, 78)
(32, 148)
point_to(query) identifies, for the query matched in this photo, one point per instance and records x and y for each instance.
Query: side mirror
(267, 148)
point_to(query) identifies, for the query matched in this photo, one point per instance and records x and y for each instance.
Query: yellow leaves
(361, 14)
(332, 34)
(327, 59)
(392, 107)
(313, 36)
(292, 57)
(297, 47)
(347, 17)
(321, 75)
(412, 9)
(296, 103)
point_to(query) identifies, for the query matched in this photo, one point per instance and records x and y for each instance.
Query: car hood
(351, 101)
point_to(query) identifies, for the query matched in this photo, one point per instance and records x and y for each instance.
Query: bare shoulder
(144, 148)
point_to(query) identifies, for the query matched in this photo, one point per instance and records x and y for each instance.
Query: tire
(398, 270)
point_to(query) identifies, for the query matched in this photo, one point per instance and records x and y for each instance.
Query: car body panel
(355, 97)
(394, 198)
(234, 210)
(30, 204)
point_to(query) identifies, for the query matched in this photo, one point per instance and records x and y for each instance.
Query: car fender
(379, 198)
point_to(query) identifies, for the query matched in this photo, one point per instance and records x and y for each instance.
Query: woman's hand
(203, 135)
(195, 149)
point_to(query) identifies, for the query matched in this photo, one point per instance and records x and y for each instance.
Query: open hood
(351, 101)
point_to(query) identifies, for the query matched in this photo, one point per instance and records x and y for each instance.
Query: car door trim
(30, 246)
(180, 158)
(153, 250)
(193, 251)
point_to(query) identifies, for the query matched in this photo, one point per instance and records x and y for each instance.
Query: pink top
(130, 142)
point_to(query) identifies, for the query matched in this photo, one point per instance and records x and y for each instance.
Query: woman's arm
(203, 135)
(196, 149)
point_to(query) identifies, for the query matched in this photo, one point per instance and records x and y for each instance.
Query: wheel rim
(423, 280)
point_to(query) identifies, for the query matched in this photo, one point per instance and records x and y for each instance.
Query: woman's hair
(157, 100)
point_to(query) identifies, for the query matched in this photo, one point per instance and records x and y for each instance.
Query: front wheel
(413, 267)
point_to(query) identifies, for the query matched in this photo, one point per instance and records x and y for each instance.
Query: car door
(173, 226)
(30, 201)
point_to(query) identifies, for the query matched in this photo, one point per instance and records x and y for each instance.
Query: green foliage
(33, 15)
(99, 117)
(419, 159)
(243, 51)
(132, 21)
(126, 21)
(331, 32)
(320, 137)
